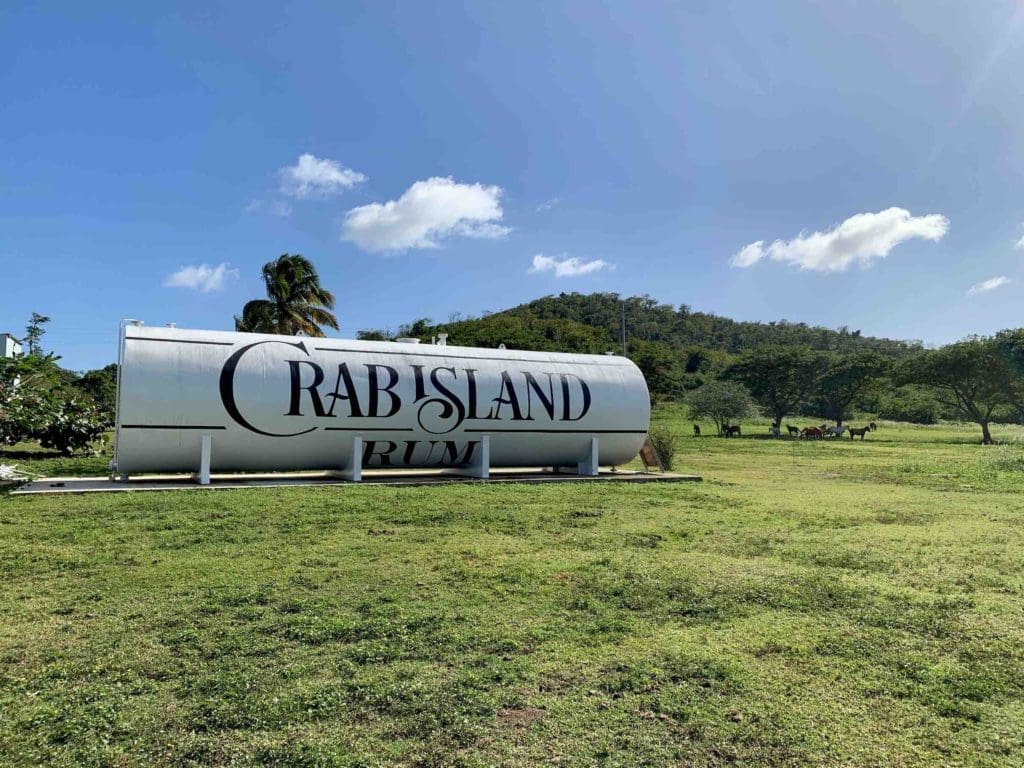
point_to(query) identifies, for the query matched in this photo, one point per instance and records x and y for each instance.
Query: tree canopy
(971, 377)
(847, 377)
(296, 302)
(779, 378)
(721, 402)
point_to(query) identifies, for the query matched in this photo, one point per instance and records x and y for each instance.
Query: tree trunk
(986, 436)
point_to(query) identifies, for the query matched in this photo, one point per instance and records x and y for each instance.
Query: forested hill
(675, 347)
(576, 322)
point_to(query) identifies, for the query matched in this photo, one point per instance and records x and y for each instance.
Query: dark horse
(696, 430)
(792, 430)
(861, 432)
(728, 431)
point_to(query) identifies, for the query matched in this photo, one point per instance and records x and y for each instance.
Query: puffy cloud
(987, 285)
(1019, 243)
(862, 239)
(312, 176)
(202, 278)
(425, 214)
(567, 267)
(749, 255)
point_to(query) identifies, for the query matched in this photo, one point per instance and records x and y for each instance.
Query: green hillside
(674, 346)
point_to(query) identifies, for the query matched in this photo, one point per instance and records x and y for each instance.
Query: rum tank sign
(288, 403)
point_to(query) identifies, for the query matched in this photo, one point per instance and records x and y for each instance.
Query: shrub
(666, 443)
(73, 426)
(909, 403)
(37, 403)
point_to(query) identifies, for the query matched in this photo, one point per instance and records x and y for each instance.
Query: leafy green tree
(74, 424)
(100, 386)
(846, 378)
(697, 360)
(295, 303)
(969, 377)
(779, 378)
(721, 402)
(420, 328)
(36, 403)
(34, 332)
(660, 366)
(22, 408)
(375, 334)
(1010, 344)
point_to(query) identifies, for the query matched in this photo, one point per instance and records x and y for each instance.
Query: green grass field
(829, 603)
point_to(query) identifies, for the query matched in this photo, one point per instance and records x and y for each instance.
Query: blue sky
(467, 157)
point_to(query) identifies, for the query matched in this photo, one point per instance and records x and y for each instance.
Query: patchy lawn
(811, 603)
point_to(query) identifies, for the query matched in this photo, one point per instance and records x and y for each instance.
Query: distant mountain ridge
(674, 346)
(577, 322)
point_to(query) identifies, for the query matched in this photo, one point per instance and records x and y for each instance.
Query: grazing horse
(812, 433)
(728, 431)
(792, 430)
(861, 432)
(696, 430)
(836, 431)
(872, 426)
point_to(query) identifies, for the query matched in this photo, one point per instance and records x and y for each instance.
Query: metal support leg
(204, 460)
(480, 466)
(589, 464)
(354, 471)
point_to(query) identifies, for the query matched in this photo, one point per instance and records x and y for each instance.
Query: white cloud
(202, 278)
(1019, 243)
(860, 239)
(749, 255)
(274, 207)
(312, 176)
(567, 267)
(426, 213)
(987, 285)
(547, 205)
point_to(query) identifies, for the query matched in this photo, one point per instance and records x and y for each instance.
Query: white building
(9, 346)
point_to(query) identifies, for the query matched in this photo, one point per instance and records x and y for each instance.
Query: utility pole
(623, 328)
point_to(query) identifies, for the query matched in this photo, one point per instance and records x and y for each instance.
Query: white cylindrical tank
(291, 403)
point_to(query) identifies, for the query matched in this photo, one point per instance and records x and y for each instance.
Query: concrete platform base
(369, 477)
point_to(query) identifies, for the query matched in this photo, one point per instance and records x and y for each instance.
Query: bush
(73, 426)
(913, 404)
(37, 403)
(666, 443)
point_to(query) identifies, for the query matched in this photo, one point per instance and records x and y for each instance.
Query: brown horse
(696, 430)
(872, 426)
(812, 433)
(861, 432)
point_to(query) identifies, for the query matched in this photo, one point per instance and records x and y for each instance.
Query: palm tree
(296, 302)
